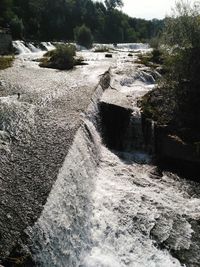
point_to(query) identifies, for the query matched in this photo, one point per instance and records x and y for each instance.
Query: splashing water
(110, 208)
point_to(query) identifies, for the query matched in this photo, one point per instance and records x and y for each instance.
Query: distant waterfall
(21, 47)
(28, 47)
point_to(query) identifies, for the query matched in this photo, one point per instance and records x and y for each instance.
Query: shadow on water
(183, 169)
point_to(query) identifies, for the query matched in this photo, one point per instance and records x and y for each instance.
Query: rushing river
(112, 208)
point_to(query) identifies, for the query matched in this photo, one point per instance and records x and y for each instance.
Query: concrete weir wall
(24, 202)
(5, 43)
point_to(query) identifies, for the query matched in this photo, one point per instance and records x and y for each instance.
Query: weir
(41, 127)
(109, 205)
(65, 221)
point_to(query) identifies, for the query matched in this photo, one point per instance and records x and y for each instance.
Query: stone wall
(5, 43)
(169, 150)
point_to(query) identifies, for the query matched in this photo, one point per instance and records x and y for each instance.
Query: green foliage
(152, 59)
(56, 20)
(6, 62)
(111, 4)
(83, 36)
(155, 42)
(182, 29)
(17, 27)
(182, 61)
(61, 58)
(178, 93)
(6, 12)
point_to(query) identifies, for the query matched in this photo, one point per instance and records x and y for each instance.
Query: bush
(83, 36)
(176, 100)
(60, 58)
(6, 62)
(182, 34)
(152, 59)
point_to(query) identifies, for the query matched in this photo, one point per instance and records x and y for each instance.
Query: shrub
(182, 34)
(83, 36)
(60, 58)
(152, 59)
(6, 62)
(176, 100)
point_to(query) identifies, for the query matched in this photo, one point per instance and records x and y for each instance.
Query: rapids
(112, 208)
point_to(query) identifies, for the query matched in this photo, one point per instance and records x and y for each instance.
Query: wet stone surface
(37, 128)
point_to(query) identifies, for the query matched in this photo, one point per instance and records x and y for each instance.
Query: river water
(112, 208)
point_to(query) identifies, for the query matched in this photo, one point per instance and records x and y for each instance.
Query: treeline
(57, 20)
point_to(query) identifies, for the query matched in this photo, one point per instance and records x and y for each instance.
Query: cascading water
(109, 208)
(112, 208)
(20, 47)
(62, 234)
(28, 48)
(48, 46)
(32, 48)
(124, 47)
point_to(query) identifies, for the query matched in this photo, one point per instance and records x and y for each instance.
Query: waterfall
(33, 48)
(133, 46)
(48, 46)
(27, 48)
(21, 47)
(62, 234)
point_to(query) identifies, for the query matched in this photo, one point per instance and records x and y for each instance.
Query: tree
(182, 35)
(17, 28)
(83, 36)
(182, 28)
(56, 20)
(111, 4)
(6, 13)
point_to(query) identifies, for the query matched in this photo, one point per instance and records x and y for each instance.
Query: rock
(170, 150)
(108, 55)
(113, 97)
(115, 112)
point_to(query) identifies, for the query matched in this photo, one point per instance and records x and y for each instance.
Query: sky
(148, 9)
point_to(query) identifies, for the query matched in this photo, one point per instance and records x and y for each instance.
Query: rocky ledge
(170, 150)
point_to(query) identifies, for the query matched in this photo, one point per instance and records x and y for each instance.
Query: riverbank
(170, 132)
